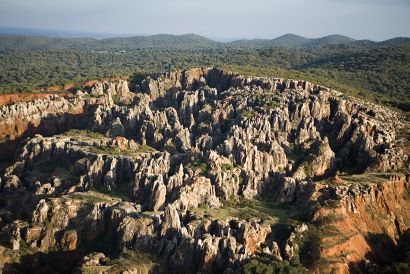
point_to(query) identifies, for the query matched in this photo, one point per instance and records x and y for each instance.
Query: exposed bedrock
(176, 167)
(309, 131)
(54, 114)
(49, 116)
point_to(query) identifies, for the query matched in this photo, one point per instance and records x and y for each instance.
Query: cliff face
(363, 217)
(42, 115)
(202, 168)
(9, 99)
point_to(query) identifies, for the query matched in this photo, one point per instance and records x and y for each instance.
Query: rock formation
(197, 167)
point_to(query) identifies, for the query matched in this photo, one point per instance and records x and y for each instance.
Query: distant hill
(287, 40)
(376, 70)
(398, 41)
(168, 41)
(296, 41)
(329, 40)
(164, 41)
(53, 33)
(158, 41)
(27, 43)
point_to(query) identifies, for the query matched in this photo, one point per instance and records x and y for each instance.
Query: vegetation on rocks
(210, 190)
(262, 266)
(376, 71)
(310, 248)
(198, 164)
(84, 133)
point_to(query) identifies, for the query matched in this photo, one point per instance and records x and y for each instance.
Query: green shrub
(308, 168)
(204, 167)
(353, 70)
(272, 104)
(248, 114)
(226, 167)
(267, 266)
(310, 248)
(327, 220)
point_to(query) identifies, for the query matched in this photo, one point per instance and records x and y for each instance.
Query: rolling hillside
(378, 71)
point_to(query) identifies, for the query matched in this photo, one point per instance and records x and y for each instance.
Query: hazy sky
(370, 19)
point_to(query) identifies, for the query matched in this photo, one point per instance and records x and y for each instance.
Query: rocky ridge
(157, 167)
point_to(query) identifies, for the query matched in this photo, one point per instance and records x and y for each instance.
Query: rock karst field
(203, 171)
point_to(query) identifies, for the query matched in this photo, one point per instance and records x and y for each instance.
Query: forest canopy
(377, 71)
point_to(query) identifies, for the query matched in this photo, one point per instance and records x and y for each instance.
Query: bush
(267, 266)
(204, 167)
(249, 114)
(310, 249)
(396, 268)
(225, 167)
(327, 220)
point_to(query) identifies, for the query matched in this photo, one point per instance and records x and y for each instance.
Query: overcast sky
(360, 19)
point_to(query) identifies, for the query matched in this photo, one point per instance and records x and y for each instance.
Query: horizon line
(65, 33)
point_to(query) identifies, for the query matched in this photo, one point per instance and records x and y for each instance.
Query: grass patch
(116, 151)
(367, 178)
(136, 260)
(121, 191)
(57, 168)
(84, 133)
(92, 197)
(247, 209)
(129, 260)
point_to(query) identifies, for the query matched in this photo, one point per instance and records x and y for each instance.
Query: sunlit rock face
(195, 167)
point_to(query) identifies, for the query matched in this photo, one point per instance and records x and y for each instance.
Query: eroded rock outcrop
(174, 169)
(52, 114)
